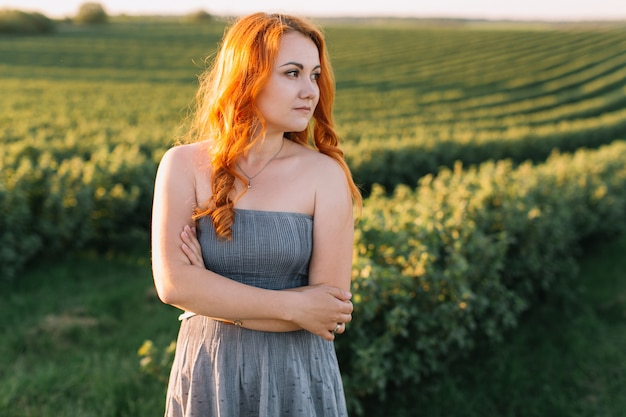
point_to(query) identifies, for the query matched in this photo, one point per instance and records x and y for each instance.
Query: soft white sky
(490, 9)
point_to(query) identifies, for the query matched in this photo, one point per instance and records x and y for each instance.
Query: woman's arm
(333, 229)
(184, 285)
(191, 248)
(333, 235)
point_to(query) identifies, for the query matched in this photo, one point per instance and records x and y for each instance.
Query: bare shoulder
(185, 161)
(321, 167)
(329, 183)
(181, 174)
(187, 154)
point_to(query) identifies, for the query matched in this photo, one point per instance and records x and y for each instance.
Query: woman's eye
(292, 73)
(315, 76)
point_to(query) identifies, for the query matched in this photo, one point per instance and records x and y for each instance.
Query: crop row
(434, 97)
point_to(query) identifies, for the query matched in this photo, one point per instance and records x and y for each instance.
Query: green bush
(62, 202)
(454, 263)
(18, 22)
(19, 239)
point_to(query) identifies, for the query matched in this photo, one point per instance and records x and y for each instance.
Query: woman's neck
(264, 148)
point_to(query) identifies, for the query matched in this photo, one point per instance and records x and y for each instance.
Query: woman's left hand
(191, 246)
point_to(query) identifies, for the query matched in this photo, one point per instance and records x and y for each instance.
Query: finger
(339, 293)
(188, 235)
(191, 242)
(327, 335)
(346, 318)
(193, 258)
(339, 328)
(196, 250)
(193, 237)
(189, 253)
(345, 307)
(196, 244)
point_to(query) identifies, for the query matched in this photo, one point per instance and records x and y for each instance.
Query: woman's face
(288, 100)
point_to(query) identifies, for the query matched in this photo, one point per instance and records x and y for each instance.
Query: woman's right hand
(323, 310)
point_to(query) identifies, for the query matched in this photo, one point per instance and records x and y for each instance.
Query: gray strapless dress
(227, 371)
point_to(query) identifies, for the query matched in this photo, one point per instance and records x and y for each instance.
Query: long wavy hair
(226, 112)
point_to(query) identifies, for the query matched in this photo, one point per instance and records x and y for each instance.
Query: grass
(71, 329)
(560, 361)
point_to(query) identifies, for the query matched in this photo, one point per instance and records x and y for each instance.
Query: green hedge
(53, 204)
(454, 262)
(78, 195)
(405, 160)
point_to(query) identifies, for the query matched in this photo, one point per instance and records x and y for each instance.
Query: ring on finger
(337, 327)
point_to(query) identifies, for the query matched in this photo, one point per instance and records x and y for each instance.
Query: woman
(265, 285)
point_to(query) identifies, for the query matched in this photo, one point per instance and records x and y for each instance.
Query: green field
(468, 295)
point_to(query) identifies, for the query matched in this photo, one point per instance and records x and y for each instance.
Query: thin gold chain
(250, 178)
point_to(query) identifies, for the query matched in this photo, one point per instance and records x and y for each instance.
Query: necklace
(250, 178)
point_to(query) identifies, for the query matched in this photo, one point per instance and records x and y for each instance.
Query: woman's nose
(308, 89)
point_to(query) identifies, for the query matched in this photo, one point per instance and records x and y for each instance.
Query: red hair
(226, 111)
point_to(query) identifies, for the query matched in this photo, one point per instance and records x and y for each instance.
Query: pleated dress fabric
(227, 371)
